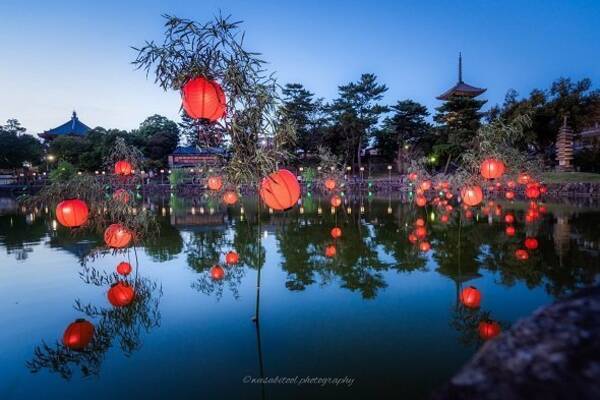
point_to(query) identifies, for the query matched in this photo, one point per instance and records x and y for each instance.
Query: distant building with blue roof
(74, 127)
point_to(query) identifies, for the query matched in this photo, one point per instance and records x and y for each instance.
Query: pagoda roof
(461, 89)
(73, 127)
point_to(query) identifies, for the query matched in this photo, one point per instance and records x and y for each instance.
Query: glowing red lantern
(471, 195)
(123, 168)
(203, 99)
(124, 268)
(509, 195)
(421, 232)
(543, 189)
(421, 201)
(215, 183)
(412, 176)
(412, 238)
(120, 294)
(492, 168)
(280, 190)
(425, 185)
(336, 200)
(521, 254)
(117, 236)
(468, 214)
(330, 251)
(470, 297)
(532, 191)
(444, 219)
(232, 258)
(420, 222)
(217, 272)
(523, 178)
(78, 334)
(509, 218)
(336, 232)
(531, 243)
(511, 184)
(510, 230)
(230, 198)
(489, 329)
(330, 184)
(72, 213)
(424, 247)
(121, 195)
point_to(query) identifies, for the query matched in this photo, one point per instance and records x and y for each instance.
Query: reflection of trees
(122, 325)
(16, 234)
(166, 244)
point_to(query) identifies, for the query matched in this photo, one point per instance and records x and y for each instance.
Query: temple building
(461, 89)
(191, 156)
(74, 127)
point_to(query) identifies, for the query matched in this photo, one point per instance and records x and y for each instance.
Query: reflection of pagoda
(74, 127)
(461, 89)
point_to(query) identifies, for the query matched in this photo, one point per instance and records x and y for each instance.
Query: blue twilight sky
(56, 56)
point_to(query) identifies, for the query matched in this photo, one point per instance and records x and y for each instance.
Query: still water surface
(380, 313)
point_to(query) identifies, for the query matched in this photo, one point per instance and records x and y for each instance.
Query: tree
(406, 127)
(458, 119)
(70, 148)
(300, 108)
(17, 148)
(355, 113)
(202, 133)
(161, 136)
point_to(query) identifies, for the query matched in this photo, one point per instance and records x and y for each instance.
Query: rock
(552, 354)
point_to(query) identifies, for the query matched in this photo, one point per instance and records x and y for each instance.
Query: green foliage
(159, 136)
(201, 133)
(17, 148)
(178, 176)
(63, 172)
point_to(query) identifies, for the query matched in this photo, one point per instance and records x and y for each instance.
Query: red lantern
(412, 176)
(420, 222)
(336, 201)
(468, 214)
(532, 191)
(523, 178)
(421, 201)
(232, 258)
(121, 195)
(203, 99)
(543, 189)
(330, 251)
(230, 198)
(117, 236)
(78, 334)
(215, 183)
(492, 168)
(280, 190)
(424, 247)
(489, 329)
(511, 184)
(123, 168)
(471, 195)
(72, 213)
(470, 297)
(421, 232)
(521, 254)
(124, 268)
(120, 294)
(425, 185)
(217, 272)
(444, 219)
(509, 195)
(412, 238)
(330, 184)
(510, 230)
(336, 232)
(509, 218)
(531, 243)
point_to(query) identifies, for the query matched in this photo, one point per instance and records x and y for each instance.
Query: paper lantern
(78, 334)
(122, 196)
(215, 183)
(203, 99)
(521, 254)
(412, 176)
(421, 232)
(124, 268)
(425, 185)
(511, 184)
(424, 247)
(492, 168)
(489, 329)
(468, 214)
(123, 168)
(421, 201)
(470, 297)
(280, 190)
(444, 218)
(420, 222)
(330, 184)
(232, 258)
(72, 213)
(510, 230)
(532, 191)
(330, 251)
(117, 236)
(230, 198)
(471, 195)
(217, 272)
(509, 195)
(523, 178)
(336, 232)
(412, 238)
(509, 218)
(531, 243)
(336, 200)
(120, 294)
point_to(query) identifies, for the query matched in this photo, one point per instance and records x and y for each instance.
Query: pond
(379, 318)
